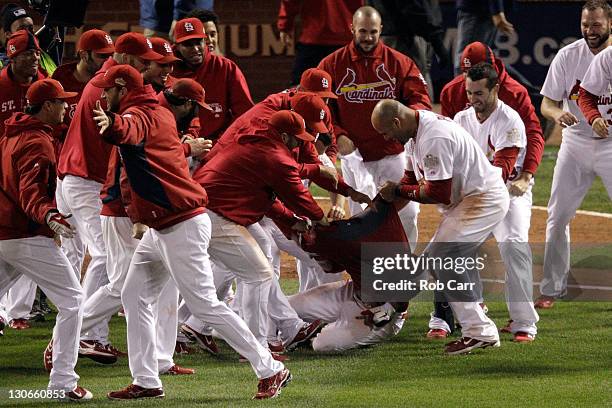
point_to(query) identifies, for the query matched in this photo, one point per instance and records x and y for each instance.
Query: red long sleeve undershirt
(587, 102)
(438, 190)
(506, 159)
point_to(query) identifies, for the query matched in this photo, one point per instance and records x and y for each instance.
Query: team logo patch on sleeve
(513, 135)
(431, 162)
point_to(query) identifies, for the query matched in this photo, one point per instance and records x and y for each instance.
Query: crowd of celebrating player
(151, 157)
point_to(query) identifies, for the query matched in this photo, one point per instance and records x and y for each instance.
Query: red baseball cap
(190, 89)
(137, 45)
(22, 40)
(317, 81)
(476, 53)
(187, 29)
(97, 41)
(312, 108)
(163, 48)
(292, 123)
(46, 89)
(119, 75)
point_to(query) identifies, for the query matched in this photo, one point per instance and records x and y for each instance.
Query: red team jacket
(361, 80)
(255, 121)
(13, 94)
(156, 187)
(65, 75)
(454, 99)
(27, 177)
(324, 22)
(227, 92)
(84, 153)
(243, 180)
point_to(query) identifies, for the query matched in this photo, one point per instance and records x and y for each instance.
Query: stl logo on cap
(467, 63)
(324, 83)
(322, 114)
(168, 48)
(149, 43)
(108, 38)
(188, 26)
(12, 48)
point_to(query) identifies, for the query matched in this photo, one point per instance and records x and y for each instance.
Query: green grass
(568, 365)
(597, 198)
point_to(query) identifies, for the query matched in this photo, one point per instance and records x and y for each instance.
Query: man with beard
(23, 70)
(227, 91)
(82, 168)
(364, 72)
(585, 151)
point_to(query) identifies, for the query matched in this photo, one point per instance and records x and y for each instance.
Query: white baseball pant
(42, 261)
(578, 162)
(74, 248)
(471, 221)
(19, 299)
(335, 303)
(180, 252)
(512, 235)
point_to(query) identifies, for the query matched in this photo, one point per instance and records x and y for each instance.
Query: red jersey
(453, 99)
(324, 22)
(64, 74)
(227, 92)
(84, 153)
(156, 187)
(244, 179)
(27, 177)
(255, 122)
(361, 80)
(13, 94)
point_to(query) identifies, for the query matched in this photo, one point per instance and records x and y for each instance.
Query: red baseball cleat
(304, 334)
(544, 302)
(48, 357)
(466, 344)
(134, 391)
(205, 342)
(434, 334)
(270, 387)
(78, 394)
(19, 324)
(178, 370)
(523, 337)
(114, 351)
(96, 351)
(276, 346)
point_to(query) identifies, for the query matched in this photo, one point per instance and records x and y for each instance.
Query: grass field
(568, 365)
(597, 198)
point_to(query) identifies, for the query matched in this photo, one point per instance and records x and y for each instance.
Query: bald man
(364, 72)
(447, 167)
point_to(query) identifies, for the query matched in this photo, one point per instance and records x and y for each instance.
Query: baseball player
(453, 99)
(365, 72)
(93, 48)
(351, 322)
(83, 163)
(158, 72)
(23, 69)
(30, 219)
(500, 133)
(455, 174)
(227, 91)
(160, 193)
(585, 150)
